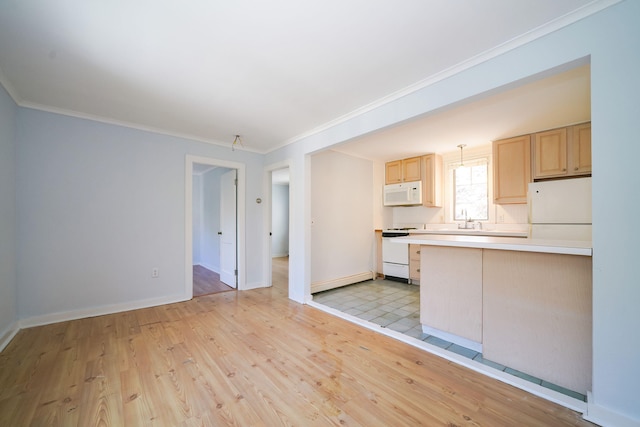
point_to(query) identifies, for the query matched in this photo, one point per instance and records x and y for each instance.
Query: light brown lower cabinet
(530, 311)
(414, 264)
(451, 290)
(537, 315)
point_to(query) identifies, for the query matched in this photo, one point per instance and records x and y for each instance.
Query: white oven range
(395, 256)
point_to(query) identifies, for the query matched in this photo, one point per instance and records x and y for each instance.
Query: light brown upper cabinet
(412, 169)
(427, 168)
(562, 152)
(393, 172)
(511, 169)
(550, 153)
(432, 180)
(405, 170)
(580, 159)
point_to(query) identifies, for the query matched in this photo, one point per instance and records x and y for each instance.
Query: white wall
(99, 206)
(342, 235)
(611, 40)
(382, 216)
(280, 220)
(8, 281)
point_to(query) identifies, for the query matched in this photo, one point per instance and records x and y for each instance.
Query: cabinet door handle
(564, 169)
(418, 270)
(576, 168)
(418, 252)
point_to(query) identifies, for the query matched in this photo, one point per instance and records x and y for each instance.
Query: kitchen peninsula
(524, 303)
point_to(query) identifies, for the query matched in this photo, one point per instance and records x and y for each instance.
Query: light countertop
(567, 247)
(473, 232)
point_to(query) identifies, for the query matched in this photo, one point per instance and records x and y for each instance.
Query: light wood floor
(280, 273)
(249, 358)
(207, 282)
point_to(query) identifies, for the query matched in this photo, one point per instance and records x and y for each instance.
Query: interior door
(228, 229)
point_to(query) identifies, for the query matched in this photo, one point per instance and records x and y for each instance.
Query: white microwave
(403, 194)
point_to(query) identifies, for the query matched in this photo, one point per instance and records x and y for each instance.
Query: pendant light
(461, 146)
(237, 142)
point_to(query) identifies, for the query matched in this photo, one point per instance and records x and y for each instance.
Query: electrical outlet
(501, 218)
(155, 272)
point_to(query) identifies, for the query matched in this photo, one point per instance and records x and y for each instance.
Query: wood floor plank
(207, 282)
(248, 358)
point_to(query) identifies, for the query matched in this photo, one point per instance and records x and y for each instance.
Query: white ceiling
(271, 71)
(555, 101)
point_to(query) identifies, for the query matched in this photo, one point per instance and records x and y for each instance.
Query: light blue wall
(99, 206)
(610, 39)
(8, 302)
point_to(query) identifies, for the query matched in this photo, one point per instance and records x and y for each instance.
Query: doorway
(280, 179)
(214, 226)
(214, 229)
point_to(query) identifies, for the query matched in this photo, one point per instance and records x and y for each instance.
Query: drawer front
(414, 270)
(414, 252)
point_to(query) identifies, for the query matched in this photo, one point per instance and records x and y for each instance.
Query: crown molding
(13, 93)
(136, 126)
(521, 40)
(554, 25)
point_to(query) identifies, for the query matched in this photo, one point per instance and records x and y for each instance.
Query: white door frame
(188, 220)
(228, 228)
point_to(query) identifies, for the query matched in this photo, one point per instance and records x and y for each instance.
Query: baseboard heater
(325, 285)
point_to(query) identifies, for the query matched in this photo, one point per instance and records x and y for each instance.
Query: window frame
(451, 161)
(453, 193)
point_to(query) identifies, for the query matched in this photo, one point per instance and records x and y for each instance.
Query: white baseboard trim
(464, 342)
(254, 285)
(605, 417)
(98, 311)
(8, 334)
(341, 281)
(280, 255)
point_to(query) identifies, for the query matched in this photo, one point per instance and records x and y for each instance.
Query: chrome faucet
(468, 222)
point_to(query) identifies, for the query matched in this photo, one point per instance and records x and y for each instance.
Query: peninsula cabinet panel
(451, 290)
(550, 153)
(537, 315)
(511, 169)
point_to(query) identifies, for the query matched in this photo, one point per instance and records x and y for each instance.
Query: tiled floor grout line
(396, 305)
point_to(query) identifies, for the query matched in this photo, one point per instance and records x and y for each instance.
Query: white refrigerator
(560, 210)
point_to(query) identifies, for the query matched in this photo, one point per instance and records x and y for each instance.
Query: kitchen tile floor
(396, 306)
